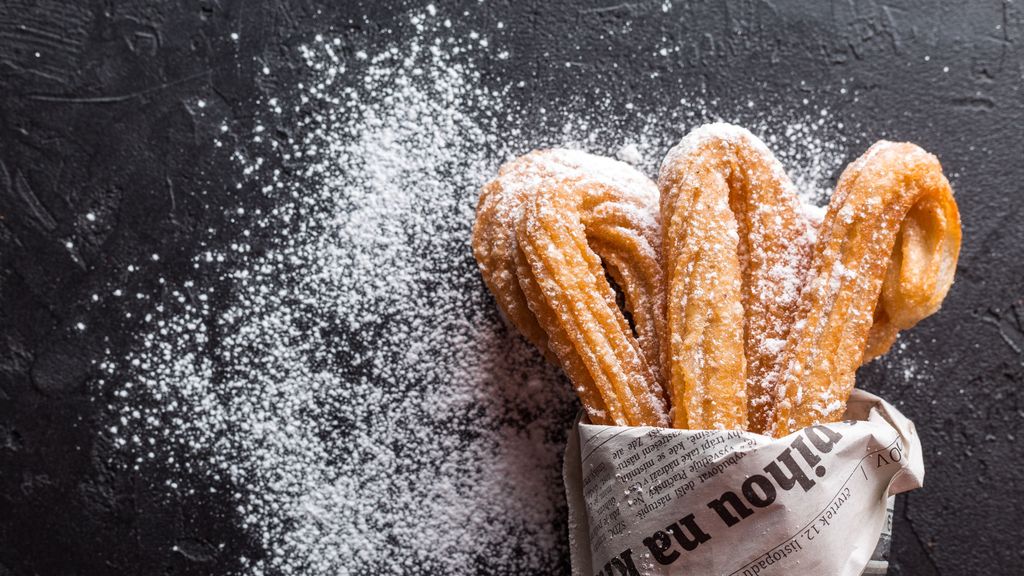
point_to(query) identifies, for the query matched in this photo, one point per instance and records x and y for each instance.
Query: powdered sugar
(630, 153)
(354, 383)
(360, 394)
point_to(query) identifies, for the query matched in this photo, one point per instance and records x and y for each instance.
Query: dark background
(103, 121)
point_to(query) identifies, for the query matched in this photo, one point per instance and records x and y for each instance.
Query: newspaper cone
(707, 502)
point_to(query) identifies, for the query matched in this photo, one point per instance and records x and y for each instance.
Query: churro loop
(557, 223)
(736, 247)
(885, 258)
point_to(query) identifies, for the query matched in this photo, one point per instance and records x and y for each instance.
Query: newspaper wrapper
(701, 502)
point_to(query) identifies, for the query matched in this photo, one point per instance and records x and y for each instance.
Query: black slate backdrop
(98, 116)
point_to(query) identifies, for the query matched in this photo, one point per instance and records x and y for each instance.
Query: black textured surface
(103, 121)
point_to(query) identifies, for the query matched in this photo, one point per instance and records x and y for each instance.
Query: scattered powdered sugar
(629, 153)
(356, 388)
(814, 214)
(354, 383)
(774, 345)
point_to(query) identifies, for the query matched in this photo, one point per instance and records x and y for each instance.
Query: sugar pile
(355, 384)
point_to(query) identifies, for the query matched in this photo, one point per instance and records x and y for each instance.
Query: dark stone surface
(102, 121)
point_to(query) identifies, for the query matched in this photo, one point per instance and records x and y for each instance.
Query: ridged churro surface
(551, 230)
(736, 245)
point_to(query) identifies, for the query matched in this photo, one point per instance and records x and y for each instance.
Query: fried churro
(574, 220)
(738, 311)
(885, 258)
(736, 247)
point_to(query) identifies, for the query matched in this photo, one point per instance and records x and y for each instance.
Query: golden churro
(555, 223)
(885, 258)
(736, 246)
(739, 310)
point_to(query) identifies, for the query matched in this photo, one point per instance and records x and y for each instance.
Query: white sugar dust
(354, 383)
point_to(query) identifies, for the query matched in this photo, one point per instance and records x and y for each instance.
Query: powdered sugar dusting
(360, 394)
(354, 383)
(630, 153)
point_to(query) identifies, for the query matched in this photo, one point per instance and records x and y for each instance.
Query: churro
(736, 246)
(739, 310)
(555, 224)
(885, 258)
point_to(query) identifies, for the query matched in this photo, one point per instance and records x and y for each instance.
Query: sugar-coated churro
(736, 245)
(573, 220)
(885, 258)
(739, 310)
